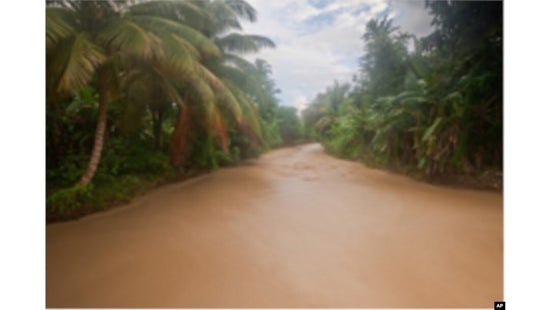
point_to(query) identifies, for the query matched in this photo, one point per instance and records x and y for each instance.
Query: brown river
(296, 228)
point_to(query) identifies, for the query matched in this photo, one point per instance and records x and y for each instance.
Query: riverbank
(488, 179)
(120, 192)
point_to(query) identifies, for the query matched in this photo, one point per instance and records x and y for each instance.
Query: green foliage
(272, 133)
(78, 200)
(65, 200)
(148, 62)
(206, 155)
(68, 172)
(290, 125)
(435, 110)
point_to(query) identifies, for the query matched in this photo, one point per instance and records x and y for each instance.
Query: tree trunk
(179, 135)
(158, 118)
(100, 130)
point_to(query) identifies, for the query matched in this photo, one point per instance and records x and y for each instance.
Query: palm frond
(130, 38)
(223, 93)
(188, 12)
(236, 42)
(250, 125)
(180, 58)
(223, 15)
(202, 43)
(242, 9)
(59, 25)
(220, 131)
(239, 62)
(235, 75)
(215, 123)
(76, 64)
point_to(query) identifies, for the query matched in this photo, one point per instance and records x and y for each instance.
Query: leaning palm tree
(237, 73)
(216, 92)
(94, 41)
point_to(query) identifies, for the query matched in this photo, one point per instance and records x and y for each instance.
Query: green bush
(65, 200)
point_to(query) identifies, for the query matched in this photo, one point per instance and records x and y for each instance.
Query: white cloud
(317, 45)
(412, 17)
(300, 103)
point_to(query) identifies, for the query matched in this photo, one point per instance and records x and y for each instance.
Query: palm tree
(217, 90)
(238, 74)
(93, 41)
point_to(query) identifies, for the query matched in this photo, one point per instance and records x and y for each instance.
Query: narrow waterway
(296, 228)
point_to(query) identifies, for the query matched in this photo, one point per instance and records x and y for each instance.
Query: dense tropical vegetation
(141, 92)
(144, 92)
(427, 106)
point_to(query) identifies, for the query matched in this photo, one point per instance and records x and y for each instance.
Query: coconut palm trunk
(157, 128)
(99, 138)
(157, 111)
(179, 135)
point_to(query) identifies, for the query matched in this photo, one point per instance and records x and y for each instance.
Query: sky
(319, 41)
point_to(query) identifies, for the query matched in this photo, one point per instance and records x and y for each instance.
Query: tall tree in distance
(384, 66)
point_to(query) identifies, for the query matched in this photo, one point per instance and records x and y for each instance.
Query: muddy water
(295, 228)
